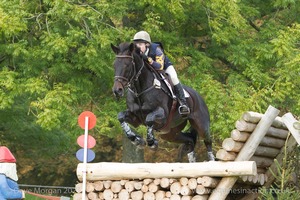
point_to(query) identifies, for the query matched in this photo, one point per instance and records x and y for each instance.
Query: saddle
(166, 79)
(162, 77)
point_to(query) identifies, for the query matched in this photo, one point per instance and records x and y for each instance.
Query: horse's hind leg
(187, 139)
(134, 138)
(186, 149)
(208, 144)
(189, 145)
(207, 139)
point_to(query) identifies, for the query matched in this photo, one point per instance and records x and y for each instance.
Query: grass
(31, 197)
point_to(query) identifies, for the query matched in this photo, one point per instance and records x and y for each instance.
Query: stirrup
(184, 110)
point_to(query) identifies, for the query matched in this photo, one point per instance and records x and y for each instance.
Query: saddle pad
(186, 94)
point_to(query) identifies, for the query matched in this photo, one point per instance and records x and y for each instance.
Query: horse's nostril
(118, 92)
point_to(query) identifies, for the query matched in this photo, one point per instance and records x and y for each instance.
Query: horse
(150, 102)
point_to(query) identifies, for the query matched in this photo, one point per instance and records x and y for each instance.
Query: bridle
(135, 75)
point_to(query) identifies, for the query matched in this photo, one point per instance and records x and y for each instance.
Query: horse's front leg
(157, 115)
(125, 117)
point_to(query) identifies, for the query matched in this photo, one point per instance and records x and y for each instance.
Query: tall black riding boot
(183, 108)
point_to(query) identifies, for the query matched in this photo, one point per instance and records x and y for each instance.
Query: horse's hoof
(140, 146)
(191, 157)
(211, 156)
(154, 147)
(139, 142)
(153, 144)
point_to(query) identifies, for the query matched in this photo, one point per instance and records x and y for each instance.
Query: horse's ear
(131, 47)
(115, 48)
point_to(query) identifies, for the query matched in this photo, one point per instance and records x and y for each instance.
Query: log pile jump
(150, 189)
(265, 153)
(151, 181)
(246, 158)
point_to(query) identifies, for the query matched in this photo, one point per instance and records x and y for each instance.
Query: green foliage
(284, 3)
(281, 189)
(7, 86)
(55, 105)
(268, 194)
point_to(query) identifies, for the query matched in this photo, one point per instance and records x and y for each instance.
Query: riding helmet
(142, 36)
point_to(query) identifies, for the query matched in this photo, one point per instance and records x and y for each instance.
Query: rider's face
(142, 46)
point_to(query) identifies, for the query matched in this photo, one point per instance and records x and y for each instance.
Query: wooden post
(289, 121)
(119, 171)
(291, 143)
(248, 150)
(296, 125)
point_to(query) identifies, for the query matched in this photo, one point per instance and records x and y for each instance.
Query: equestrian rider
(153, 53)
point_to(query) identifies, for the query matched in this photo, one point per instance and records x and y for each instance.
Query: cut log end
(296, 125)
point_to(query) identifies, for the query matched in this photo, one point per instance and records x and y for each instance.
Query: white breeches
(173, 75)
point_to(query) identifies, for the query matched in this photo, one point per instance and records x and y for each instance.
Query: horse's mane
(125, 46)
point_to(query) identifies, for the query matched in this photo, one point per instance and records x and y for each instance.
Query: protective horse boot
(183, 108)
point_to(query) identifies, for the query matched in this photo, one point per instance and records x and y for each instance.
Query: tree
(55, 63)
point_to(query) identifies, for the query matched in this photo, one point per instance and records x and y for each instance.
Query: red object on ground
(44, 196)
(6, 156)
(92, 119)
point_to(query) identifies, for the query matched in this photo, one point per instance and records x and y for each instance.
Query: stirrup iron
(184, 110)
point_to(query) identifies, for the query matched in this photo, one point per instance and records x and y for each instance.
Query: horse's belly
(175, 123)
(163, 131)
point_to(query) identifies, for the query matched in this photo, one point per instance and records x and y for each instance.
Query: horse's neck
(145, 80)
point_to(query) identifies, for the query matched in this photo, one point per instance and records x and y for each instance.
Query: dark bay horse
(151, 103)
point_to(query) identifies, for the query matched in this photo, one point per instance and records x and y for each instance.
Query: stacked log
(156, 180)
(265, 153)
(119, 171)
(149, 189)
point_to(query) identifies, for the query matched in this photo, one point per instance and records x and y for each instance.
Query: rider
(154, 54)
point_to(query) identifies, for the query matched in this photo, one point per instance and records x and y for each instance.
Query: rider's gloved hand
(145, 57)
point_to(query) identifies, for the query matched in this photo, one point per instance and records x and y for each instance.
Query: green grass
(31, 197)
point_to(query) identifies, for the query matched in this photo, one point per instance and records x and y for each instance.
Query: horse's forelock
(125, 47)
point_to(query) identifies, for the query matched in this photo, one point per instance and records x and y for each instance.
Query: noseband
(135, 75)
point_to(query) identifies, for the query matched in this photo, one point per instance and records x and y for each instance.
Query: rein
(134, 77)
(122, 78)
(156, 84)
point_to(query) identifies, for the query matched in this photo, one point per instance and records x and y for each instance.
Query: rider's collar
(147, 51)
